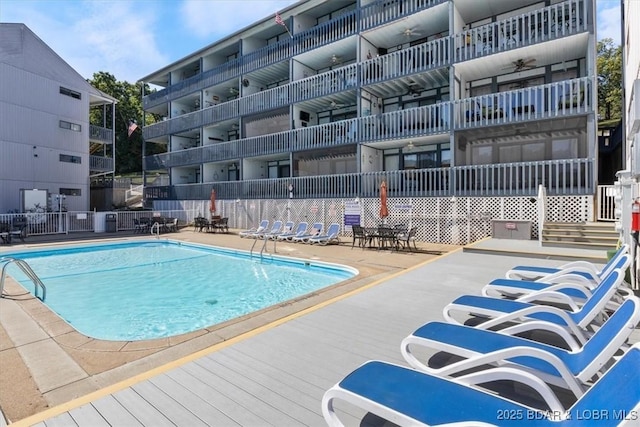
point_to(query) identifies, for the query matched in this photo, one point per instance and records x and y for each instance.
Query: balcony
(566, 98)
(100, 134)
(552, 22)
(560, 177)
(98, 164)
(412, 122)
(384, 11)
(416, 59)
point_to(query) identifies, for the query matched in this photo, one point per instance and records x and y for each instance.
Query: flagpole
(279, 21)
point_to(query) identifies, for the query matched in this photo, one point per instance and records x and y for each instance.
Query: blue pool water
(144, 290)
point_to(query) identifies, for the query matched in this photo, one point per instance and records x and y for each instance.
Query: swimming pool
(152, 289)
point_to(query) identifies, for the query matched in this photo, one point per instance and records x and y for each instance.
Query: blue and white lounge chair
(299, 231)
(571, 369)
(407, 397)
(288, 228)
(331, 236)
(316, 230)
(264, 224)
(523, 315)
(577, 290)
(276, 229)
(577, 270)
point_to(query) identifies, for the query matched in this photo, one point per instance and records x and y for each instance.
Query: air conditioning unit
(633, 121)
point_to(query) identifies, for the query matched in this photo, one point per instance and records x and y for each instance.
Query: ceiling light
(409, 146)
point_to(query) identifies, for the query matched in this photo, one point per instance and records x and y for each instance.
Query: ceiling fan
(408, 32)
(522, 64)
(334, 104)
(335, 59)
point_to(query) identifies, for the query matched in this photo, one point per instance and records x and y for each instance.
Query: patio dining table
(384, 236)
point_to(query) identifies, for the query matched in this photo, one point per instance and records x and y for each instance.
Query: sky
(133, 38)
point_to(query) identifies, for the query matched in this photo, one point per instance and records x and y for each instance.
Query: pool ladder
(155, 225)
(265, 239)
(26, 268)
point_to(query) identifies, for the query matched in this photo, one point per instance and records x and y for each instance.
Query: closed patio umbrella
(212, 202)
(384, 211)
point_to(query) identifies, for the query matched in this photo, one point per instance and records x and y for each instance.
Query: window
(71, 93)
(71, 126)
(70, 191)
(70, 159)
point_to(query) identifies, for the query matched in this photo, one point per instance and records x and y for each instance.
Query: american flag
(132, 128)
(279, 20)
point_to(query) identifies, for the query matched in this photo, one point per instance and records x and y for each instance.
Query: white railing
(606, 203)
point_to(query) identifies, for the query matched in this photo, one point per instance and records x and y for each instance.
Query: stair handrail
(26, 269)
(542, 209)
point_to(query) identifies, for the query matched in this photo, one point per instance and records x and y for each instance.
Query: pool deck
(268, 369)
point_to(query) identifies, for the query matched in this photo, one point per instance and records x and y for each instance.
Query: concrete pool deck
(46, 362)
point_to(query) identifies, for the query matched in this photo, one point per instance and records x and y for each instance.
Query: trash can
(110, 223)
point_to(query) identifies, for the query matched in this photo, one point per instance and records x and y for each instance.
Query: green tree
(609, 63)
(128, 157)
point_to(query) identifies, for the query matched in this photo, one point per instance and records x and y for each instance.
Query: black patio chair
(358, 236)
(405, 239)
(222, 225)
(387, 238)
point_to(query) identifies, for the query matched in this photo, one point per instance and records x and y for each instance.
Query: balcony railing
(100, 164)
(558, 20)
(560, 177)
(570, 97)
(100, 134)
(266, 55)
(415, 59)
(383, 11)
(412, 122)
(338, 28)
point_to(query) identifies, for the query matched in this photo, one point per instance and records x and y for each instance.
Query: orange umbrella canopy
(384, 211)
(212, 201)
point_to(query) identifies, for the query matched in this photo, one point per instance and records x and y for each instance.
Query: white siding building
(45, 134)
(463, 107)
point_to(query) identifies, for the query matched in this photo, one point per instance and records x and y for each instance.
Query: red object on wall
(635, 216)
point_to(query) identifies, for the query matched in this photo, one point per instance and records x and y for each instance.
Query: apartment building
(629, 179)
(463, 107)
(46, 139)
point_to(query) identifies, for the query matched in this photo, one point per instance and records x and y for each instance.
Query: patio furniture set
(16, 229)
(385, 237)
(216, 224)
(550, 346)
(162, 224)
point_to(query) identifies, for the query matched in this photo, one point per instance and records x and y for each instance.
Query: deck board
(278, 377)
(144, 412)
(114, 413)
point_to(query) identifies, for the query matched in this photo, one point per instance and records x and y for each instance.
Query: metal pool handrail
(26, 268)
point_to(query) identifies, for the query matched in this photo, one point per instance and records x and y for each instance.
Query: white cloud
(608, 19)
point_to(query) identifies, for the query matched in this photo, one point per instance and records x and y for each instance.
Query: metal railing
(569, 97)
(561, 177)
(101, 134)
(100, 163)
(552, 22)
(560, 99)
(26, 269)
(558, 20)
(606, 196)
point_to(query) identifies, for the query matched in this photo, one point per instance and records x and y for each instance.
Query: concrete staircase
(590, 235)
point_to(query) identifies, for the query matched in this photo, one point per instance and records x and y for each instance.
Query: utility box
(511, 229)
(111, 221)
